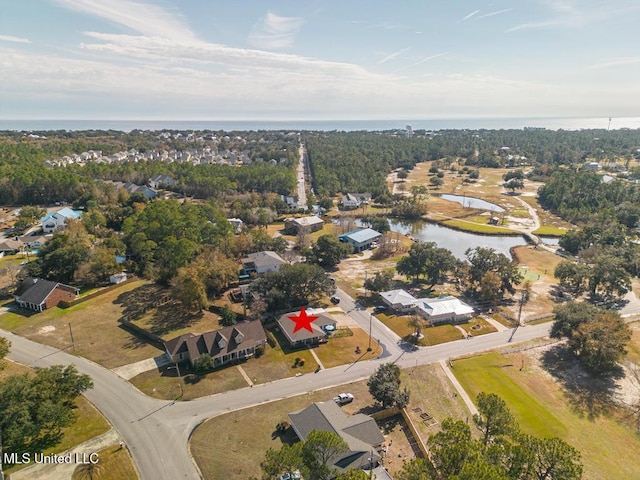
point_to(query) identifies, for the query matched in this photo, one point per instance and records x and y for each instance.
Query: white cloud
(426, 59)
(616, 62)
(11, 38)
(274, 32)
(140, 17)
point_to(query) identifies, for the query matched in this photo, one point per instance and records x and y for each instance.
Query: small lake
(458, 242)
(471, 202)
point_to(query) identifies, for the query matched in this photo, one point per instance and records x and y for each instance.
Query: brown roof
(218, 342)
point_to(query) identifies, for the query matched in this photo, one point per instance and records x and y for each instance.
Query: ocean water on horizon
(324, 125)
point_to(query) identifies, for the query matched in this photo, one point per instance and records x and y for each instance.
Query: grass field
(543, 408)
(431, 335)
(115, 464)
(96, 332)
(237, 451)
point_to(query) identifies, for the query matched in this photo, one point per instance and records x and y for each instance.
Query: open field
(96, 332)
(238, 450)
(582, 415)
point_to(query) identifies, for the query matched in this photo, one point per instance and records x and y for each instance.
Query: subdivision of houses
(38, 294)
(228, 344)
(360, 432)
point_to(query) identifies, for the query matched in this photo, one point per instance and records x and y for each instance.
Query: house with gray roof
(38, 294)
(360, 432)
(361, 239)
(308, 224)
(399, 300)
(262, 262)
(303, 336)
(444, 309)
(228, 344)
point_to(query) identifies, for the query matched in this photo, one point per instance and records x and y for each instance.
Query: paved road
(157, 432)
(302, 193)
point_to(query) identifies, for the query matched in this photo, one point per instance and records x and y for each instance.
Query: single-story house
(290, 200)
(117, 278)
(308, 224)
(58, 220)
(361, 239)
(262, 262)
(157, 181)
(444, 309)
(360, 432)
(399, 300)
(355, 200)
(225, 345)
(591, 166)
(38, 294)
(303, 336)
(11, 246)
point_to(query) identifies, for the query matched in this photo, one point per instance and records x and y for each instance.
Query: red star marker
(302, 321)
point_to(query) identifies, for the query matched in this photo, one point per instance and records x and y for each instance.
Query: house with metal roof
(58, 220)
(39, 294)
(361, 239)
(360, 432)
(444, 309)
(399, 300)
(309, 224)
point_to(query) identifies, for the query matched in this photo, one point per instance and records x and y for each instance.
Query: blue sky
(318, 60)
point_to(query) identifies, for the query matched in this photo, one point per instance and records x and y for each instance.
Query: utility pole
(73, 345)
(519, 315)
(370, 319)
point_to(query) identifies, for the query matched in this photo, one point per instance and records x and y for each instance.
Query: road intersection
(157, 432)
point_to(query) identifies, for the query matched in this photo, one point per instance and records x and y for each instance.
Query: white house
(262, 262)
(399, 300)
(58, 220)
(444, 309)
(117, 278)
(355, 200)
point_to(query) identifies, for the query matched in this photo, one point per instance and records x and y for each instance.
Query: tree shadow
(170, 317)
(590, 395)
(139, 300)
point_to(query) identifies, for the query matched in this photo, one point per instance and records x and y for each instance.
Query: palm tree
(88, 471)
(416, 322)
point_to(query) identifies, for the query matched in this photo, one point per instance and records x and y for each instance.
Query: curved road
(157, 431)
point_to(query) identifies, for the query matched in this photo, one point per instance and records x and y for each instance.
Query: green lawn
(542, 408)
(478, 326)
(432, 335)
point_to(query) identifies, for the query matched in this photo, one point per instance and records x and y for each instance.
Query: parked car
(290, 476)
(379, 308)
(343, 398)
(335, 300)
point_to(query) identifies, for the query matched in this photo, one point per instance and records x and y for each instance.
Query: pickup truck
(343, 398)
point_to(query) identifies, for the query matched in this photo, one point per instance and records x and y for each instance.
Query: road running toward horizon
(157, 432)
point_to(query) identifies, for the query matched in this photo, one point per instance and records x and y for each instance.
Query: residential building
(228, 344)
(39, 294)
(308, 224)
(117, 278)
(360, 432)
(53, 222)
(400, 300)
(591, 166)
(10, 246)
(158, 181)
(361, 239)
(355, 200)
(303, 336)
(444, 309)
(262, 262)
(236, 223)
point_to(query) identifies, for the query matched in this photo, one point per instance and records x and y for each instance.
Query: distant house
(236, 223)
(226, 345)
(39, 294)
(34, 241)
(290, 200)
(262, 262)
(53, 222)
(355, 200)
(444, 309)
(361, 239)
(360, 432)
(117, 278)
(303, 336)
(399, 300)
(158, 181)
(309, 224)
(11, 246)
(591, 166)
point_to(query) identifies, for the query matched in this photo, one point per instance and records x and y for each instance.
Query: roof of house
(444, 305)
(65, 212)
(287, 325)
(250, 334)
(10, 244)
(360, 432)
(264, 259)
(402, 297)
(307, 221)
(36, 290)
(362, 235)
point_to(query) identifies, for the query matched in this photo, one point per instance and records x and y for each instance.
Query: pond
(471, 202)
(458, 242)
